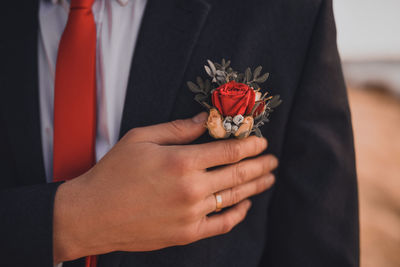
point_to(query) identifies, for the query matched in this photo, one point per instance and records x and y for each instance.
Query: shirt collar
(121, 2)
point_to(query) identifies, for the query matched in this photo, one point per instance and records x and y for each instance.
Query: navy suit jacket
(309, 218)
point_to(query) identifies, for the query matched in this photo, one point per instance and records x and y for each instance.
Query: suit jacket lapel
(167, 37)
(19, 88)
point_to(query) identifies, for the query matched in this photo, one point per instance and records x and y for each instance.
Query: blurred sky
(368, 29)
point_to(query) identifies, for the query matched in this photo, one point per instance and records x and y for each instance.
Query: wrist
(67, 225)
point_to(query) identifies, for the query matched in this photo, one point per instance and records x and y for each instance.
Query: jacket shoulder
(263, 5)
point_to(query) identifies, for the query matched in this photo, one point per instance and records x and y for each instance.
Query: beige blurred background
(369, 43)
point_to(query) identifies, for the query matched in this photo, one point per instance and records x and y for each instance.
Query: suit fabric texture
(309, 218)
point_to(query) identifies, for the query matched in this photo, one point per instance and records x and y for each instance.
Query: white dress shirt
(117, 24)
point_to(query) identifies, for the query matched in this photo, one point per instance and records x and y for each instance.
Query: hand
(151, 192)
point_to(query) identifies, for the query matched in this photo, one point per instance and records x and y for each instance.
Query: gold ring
(218, 200)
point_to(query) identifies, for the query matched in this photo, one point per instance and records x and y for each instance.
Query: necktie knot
(81, 4)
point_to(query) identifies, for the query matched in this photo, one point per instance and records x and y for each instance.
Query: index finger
(225, 152)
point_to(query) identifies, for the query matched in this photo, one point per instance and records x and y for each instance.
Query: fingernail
(248, 204)
(265, 142)
(268, 178)
(200, 118)
(273, 162)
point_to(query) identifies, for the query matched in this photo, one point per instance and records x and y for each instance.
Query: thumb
(173, 133)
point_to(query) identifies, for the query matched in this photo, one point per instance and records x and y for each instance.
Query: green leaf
(212, 66)
(207, 86)
(202, 100)
(221, 73)
(263, 78)
(274, 102)
(257, 72)
(208, 70)
(240, 78)
(247, 75)
(200, 82)
(194, 88)
(218, 66)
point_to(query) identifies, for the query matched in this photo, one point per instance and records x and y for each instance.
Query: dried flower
(214, 125)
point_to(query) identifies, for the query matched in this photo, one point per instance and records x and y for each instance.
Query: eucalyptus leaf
(219, 66)
(207, 86)
(212, 66)
(200, 82)
(257, 72)
(208, 70)
(274, 102)
(248, 75)
(201, 99)
(263, 78)
(240, 78)
(194, 88)
(221, 73)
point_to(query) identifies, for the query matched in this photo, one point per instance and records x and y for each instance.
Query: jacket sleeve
(26, 225)
(26, 216)
(313, 217)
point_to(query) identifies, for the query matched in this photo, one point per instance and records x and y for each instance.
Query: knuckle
(190, 215)
(177, 125)
(178, 162)
(240, 173)
(170, 162)
(232, 151)
(178, 128)
(235, 196)
(185, 163)
(189, 192)
(132, 134)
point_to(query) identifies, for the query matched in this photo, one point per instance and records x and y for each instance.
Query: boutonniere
(234, 100)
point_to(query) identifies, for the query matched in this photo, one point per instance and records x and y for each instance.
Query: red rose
(234, 98)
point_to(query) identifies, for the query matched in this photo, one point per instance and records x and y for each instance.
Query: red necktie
(75, 97)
